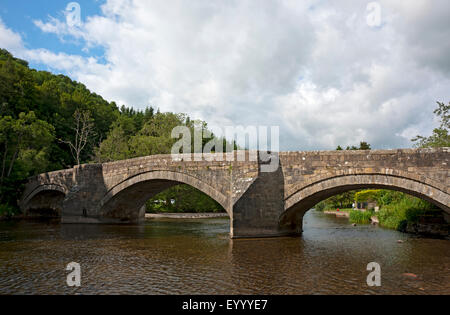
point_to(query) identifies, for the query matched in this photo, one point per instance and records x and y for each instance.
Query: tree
(36, 110)
(137, 134)
(42, 113)
(440, 136)
(362, 146)
(84, 128)
(115, 147)
(24, 142)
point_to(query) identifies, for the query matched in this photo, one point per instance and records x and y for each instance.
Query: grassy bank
(336, 210)
(408, 210)
(397, 210)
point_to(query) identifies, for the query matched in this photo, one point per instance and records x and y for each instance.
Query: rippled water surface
(197, 257)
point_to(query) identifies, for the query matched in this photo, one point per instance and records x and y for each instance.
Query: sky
(328, 73)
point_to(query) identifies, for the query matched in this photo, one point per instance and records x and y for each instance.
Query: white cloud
(9, 39)
(313, 67)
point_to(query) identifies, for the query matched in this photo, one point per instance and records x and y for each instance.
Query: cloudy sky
(326, 72)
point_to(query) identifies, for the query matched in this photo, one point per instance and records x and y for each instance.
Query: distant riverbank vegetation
(396, 209)
(182, 198)
(49, 122)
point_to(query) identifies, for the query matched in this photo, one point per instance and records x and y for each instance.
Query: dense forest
(50, 122)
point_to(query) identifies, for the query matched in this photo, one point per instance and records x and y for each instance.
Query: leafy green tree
(44, 126)
(115, 147)
(343, 200)
(36, 109)
(54, 99)
(150, 135)
(25, 142)
(364, 146)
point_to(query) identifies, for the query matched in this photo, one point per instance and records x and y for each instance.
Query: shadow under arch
(303, 200)
(125, 201)
(44, 200)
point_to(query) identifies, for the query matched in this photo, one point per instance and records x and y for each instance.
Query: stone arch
(306, 197)
(46, 199)
(125, 200)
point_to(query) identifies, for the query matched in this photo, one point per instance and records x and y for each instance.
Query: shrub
(362, 217)
(386, 197)
(7, 211)
(320, 206)
(408, 209)
(389, 218)
(367, 195)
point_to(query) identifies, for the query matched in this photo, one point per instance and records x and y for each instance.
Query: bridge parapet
(430, 166)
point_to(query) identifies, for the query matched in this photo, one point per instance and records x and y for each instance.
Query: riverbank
(339, 213)
(424, 225)
(150, 216)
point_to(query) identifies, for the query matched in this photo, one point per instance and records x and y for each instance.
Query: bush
(408, 209)
(389, 218)
(320, 206)
(367, 195)
(362, 217)
(7, 211)
(386, 197)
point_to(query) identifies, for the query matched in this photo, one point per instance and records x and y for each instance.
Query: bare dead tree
(84, 128)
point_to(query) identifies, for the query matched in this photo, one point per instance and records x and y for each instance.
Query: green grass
(360, 217)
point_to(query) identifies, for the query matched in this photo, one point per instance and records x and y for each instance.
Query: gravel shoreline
(185, 215)
(338, 213)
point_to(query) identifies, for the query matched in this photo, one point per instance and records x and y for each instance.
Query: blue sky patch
(19, 16)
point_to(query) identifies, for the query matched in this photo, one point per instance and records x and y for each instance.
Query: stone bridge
(260, 204)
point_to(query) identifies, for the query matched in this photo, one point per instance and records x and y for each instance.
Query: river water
(168, 256)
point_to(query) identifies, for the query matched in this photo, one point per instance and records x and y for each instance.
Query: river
(168, 256)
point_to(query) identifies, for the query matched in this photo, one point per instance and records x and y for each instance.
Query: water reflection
(197, 257)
